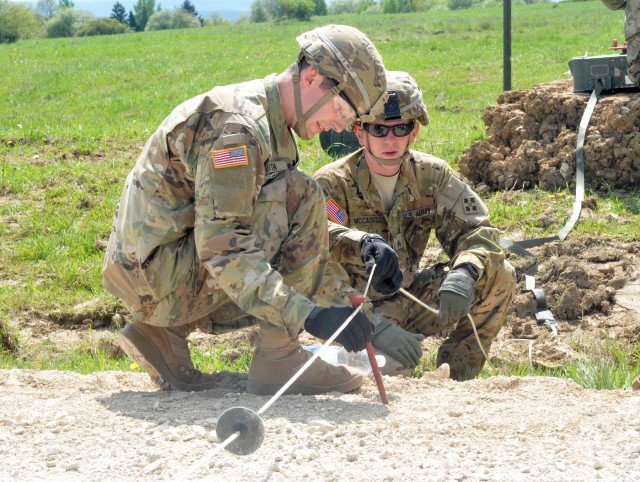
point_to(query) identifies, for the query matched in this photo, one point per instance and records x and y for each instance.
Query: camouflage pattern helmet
(405, 99)
(347, 56)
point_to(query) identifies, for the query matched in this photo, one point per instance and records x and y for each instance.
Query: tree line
(60, 18)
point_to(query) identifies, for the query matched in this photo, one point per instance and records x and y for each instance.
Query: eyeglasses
(379, 130)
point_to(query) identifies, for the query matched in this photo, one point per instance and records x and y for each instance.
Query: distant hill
(230, 10)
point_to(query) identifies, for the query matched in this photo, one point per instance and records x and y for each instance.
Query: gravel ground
(116, 426)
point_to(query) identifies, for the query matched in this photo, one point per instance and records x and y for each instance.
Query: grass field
(76, 112)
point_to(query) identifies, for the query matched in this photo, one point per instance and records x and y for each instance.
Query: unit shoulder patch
(335, 212)
(470, 204)
(231, 157)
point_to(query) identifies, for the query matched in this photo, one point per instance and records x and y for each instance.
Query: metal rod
(417, 300)
(317, 353)
(377, 376)
(309, 362)
(473, 324)
(208, 455)
(277, 395)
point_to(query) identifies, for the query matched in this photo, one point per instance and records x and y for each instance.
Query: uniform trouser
(460, 349)
(290, 226)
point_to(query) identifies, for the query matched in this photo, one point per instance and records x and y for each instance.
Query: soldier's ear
(414, 133)
(359, 132)
(310, 77)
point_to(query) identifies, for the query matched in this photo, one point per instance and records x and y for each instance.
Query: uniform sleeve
(463, 228)
(344, 242)
(228, 179)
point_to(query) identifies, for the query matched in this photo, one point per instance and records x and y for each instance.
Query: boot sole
(131, 339)
(270, 388)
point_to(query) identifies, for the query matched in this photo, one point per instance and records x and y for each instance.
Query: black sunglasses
(379, 130)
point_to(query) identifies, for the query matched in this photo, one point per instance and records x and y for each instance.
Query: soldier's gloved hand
(456, 294)
(398, 343)
(387, 277)
(323, 322)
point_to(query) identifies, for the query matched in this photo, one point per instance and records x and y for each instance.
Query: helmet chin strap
(300, 126)
(387, 162)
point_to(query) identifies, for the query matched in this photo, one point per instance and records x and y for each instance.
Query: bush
(374, 9)
(101, 26)
(66, 22)
(258, 12)
(18, 22)
(172, 19)
(63, 24)
(296, 9)
(460, 4)
(217, 19)
(338, 7)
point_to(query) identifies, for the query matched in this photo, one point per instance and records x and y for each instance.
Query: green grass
(608, 365)
(76, 113)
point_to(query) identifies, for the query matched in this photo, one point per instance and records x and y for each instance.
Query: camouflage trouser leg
(460, 349)
(290, 225)
(633, 57)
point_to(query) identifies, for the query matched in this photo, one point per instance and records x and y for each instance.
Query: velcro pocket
(233, 175)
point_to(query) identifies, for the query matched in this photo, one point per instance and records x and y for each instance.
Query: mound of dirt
(592, 286)
(532, 135)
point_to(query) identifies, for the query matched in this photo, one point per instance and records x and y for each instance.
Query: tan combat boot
(164, 354)
(278, 357)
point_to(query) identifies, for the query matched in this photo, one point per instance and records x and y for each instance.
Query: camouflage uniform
(428, 196)
(631, 32)
(215, 217)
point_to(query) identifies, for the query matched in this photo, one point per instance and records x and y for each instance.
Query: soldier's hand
(456, 294)
(387, 277)
(323, 322)
(398, 343)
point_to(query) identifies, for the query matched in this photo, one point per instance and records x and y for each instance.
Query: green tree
(63, 24)
(119, 13)
(66, 4)
(338, 7)
(47, 8)
(320, 7)
(273, 9)
(364, 5)
(258, 12)
(189, 7)
(172, 19)
(143, 9)
(389, 6)
(131, 21)
(405, 6)
(298, 9)
(18, 22)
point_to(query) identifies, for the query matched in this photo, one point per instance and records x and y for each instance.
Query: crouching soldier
(383, 202)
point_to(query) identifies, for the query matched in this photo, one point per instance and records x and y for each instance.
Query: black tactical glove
(387, 278)
(398, 343)
(323, 322)
(456, 293)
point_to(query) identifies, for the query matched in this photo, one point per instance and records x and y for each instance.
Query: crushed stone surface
(115, 426)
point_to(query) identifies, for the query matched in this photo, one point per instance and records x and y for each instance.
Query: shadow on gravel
(203, 408)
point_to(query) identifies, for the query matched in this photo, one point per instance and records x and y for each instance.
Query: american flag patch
(232, 157)
(335, 212)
